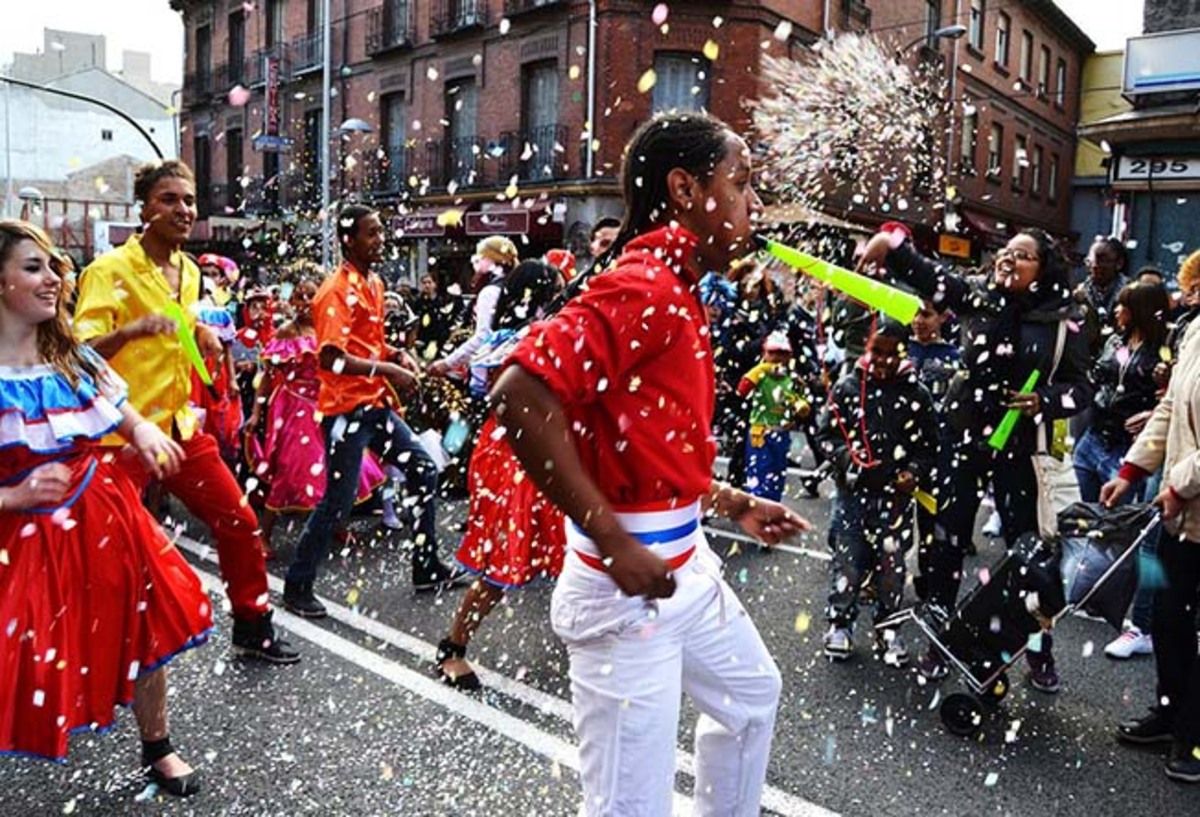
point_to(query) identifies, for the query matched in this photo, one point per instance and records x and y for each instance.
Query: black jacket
(1004, 337)
(897, 421)
(1122, 389)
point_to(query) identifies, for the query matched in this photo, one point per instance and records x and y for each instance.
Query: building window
(540, 116)
(969, 137)
(975, 26)
(395, 136)
(1052, 179)
(995, 145)
(1035, 183)
(1043, 87)
(1003, 25)
(274, 22)
(202, 170)
(311, 158)
(1020, 162)
(462, 105)
(933, 20)
(203, 52)
(314, 16)
(237, 47)
(1060, 83)
(233, 167)
(105, 135)
(682, 82)
(1026, 56)
(270, 181)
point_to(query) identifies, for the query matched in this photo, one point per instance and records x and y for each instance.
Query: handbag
(1057, 485)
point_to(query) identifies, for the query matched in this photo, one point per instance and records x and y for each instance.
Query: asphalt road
(361, 728)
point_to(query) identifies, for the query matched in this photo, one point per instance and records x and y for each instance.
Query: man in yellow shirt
(123, 296)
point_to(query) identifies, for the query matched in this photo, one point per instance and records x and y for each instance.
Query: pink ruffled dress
(293, 456)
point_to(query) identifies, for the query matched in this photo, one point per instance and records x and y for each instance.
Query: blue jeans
(766, 466)
(1096, 462)
(346, 436)
(873, 534)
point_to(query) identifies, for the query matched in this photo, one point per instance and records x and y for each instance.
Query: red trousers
(209, 491)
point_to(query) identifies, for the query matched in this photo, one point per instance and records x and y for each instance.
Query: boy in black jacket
(880, 431)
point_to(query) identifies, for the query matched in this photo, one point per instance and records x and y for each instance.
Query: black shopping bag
(1096, 544)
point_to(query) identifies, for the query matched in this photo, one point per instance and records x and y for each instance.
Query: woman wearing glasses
(1010, 326)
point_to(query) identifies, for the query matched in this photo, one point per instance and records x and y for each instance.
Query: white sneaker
(991, 528)
(1130, 643)
(838, 643)
(895, 652)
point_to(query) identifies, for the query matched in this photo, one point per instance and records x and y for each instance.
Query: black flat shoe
(182, 786)
(446, 650)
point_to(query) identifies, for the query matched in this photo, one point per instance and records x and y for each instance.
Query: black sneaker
(1184, 764)
(298, 598)
(1154, 728)
(257, 639)
(441, 578)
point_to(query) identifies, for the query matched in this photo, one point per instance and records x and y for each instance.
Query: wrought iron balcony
(197, 87)
(308, 52)
(512, 7)
(453, 16)
(387, 175)
(534, 154)
(390, 26)
(256, 72)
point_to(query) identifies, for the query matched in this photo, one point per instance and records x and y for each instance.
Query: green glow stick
(895, 303)
(1000, 436)
(188, 341)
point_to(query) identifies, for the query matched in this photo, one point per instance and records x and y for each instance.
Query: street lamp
(953, 32)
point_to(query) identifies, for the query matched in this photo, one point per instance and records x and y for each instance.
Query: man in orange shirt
(120, 312)
(358, 371)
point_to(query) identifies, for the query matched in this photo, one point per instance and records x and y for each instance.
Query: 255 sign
(1142, 168)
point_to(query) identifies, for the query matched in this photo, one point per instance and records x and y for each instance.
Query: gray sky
(129, 25)
(150, 25)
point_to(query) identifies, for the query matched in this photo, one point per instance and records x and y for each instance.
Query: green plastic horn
(1000, 436)
(895, 303)
(188, 341)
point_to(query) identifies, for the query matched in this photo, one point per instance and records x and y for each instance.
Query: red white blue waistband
(669, 533)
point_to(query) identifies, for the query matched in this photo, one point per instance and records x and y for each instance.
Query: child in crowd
(935, 360)
(777, 400)
(880, 431)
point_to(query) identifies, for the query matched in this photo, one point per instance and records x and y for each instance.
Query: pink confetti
(659, 15)
(238, 96)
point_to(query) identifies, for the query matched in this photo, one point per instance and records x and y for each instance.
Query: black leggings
(965, 471)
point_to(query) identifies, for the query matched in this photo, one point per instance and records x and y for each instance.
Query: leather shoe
(298, 598)
(183, 786)
(1153, 728)
(258, 639)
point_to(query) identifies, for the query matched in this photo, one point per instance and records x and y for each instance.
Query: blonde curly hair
(1189, 272)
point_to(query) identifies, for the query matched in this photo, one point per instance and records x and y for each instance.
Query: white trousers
(630, 660)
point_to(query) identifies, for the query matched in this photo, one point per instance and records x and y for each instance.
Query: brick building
(474, 106)
(1014, 78)
(481, 107)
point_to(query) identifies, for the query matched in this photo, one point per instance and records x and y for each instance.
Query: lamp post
(944, 33)
(326, 103)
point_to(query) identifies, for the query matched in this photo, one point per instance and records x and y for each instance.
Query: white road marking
(549, 746)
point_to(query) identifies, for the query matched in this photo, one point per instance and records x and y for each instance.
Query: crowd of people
(590, 407)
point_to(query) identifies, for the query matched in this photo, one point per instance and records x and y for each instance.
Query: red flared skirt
(514, 534)
(92, 595)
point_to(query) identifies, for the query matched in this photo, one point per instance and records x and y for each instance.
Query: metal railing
(390, 26)
(450, 16)
(536, 153)
(308, 52)
(522, 6)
